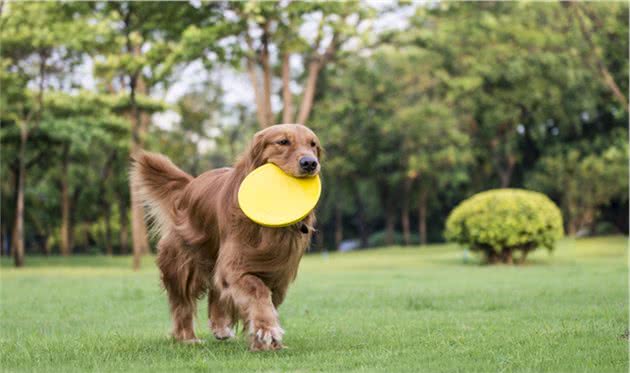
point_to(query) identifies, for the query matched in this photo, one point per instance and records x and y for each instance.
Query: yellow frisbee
(272, 198)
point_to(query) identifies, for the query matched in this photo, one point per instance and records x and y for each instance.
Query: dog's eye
(313, 144)
(283, 142)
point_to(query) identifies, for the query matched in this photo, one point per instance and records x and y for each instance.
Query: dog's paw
(222, 332)
(185, 336)
(265, 338)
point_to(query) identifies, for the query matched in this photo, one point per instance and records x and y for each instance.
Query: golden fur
(208, 245)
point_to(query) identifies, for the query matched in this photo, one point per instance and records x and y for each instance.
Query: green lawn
(393, 310)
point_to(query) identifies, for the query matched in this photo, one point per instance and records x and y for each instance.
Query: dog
(207, 245)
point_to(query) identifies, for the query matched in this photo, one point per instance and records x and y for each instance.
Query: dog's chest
(279, 252)
(284, 241)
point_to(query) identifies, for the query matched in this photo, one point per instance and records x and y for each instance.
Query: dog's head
(292, 147)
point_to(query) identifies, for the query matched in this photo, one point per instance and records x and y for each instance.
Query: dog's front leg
(253, 299)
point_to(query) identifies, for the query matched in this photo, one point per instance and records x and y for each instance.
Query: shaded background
(419, 106)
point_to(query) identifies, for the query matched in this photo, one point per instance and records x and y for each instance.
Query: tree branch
(266, 75)
(133, 81)
(251, 70)
(315, 65)
(599, 61)
(36, 159)
(287, 97)
(104, 175)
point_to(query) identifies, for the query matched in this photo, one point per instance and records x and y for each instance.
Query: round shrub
(500, 222)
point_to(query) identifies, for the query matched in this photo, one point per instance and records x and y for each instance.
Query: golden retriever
(208, 245)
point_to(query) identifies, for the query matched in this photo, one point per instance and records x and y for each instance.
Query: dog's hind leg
(220, 316)
(184, 281)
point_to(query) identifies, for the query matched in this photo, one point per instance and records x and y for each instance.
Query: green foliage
(214, 41)
(399, 135)
(467, 97)
(142, 40)
(583, 176)
(39, 41)
(517, 72)
(505, 220)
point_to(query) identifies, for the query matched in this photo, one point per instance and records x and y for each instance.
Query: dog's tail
(157, 184)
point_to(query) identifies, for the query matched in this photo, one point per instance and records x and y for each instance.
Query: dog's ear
(256, 150)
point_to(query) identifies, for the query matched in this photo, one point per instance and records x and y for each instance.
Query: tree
(143, 59)
(513, 71)
(415, 136)
(360, 147)
(82, 124)
(469, 96)
(200, 113)
(36, 48)
(584, 176)
(597, 52)
(262, 35)
(435, 146)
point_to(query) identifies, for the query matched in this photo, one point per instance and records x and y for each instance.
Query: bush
(500, 222)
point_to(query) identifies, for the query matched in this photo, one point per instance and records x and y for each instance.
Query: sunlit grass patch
(391, 309)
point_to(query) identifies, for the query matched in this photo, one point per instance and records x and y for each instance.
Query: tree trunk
(266, 75)
(71, 224)
(74, 201)
(138, 226)
(338, 226)
(309, 91)
(18, 227)
(422, 215)
(572, 227)
(287, 97)
(523, 256)
(505, 173)
(258, 96)
(404, 215)
(3, 238)
(314, 67)
(364, 234)
(108, 231)
(87, 234)
(360, 216)
(506, 256)
(143, 120)
(103, 203)
(390, 226)
(65, 203)
(386, 196)
(138, 230)
(504, 178)
(404, 220)
(502, 160)
(492, 257)
(45, 245)
(16, 186)
(18, 236)
(599, 62)
(136, 85)
(124, 226)
(319, 241)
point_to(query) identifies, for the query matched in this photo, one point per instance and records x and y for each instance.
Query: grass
(393, 309)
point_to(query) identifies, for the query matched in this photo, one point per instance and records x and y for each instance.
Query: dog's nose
(308, 164)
